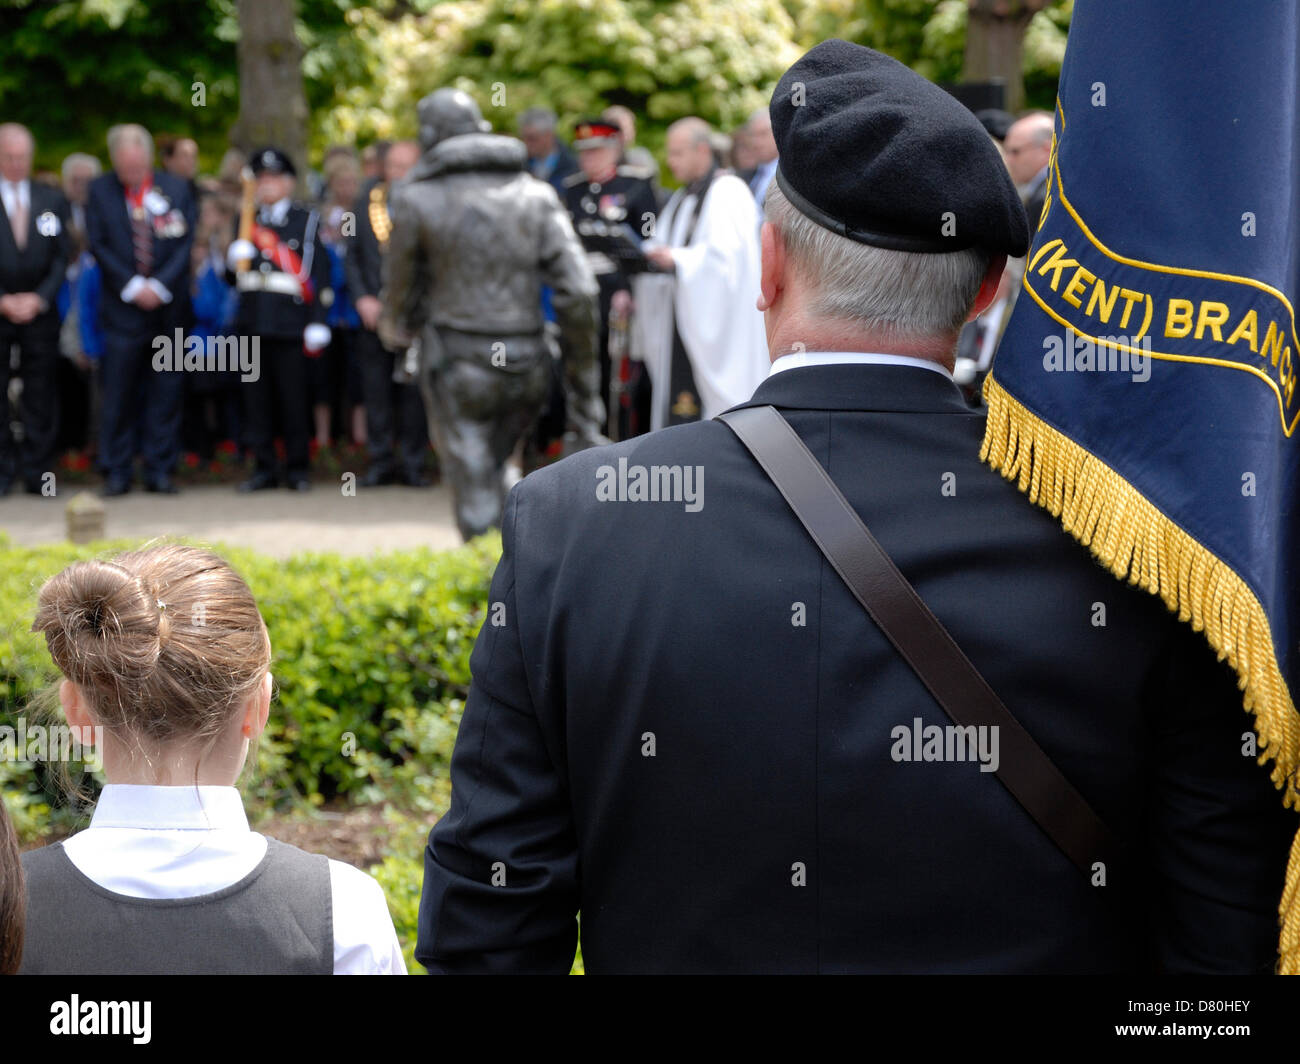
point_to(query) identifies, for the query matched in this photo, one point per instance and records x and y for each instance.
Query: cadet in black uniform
(606, 199)
(284, 296)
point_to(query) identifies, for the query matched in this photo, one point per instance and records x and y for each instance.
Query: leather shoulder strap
(1026, 771)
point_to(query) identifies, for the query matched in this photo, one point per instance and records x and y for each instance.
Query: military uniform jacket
(702, 753)
(626, 198)
(274, 301)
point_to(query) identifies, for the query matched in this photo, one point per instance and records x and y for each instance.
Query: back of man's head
(891, 213)
(910, 300)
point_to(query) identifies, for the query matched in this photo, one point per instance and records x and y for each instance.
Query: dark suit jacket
(108, 229)
(40, 266)
(364, 263)
(1034, 200)
(630, 623)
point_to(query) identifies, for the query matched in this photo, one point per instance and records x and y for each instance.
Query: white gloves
(964, 370)
(316, 337)
(240, 251)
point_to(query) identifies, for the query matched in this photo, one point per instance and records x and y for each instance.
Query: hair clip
(161, 604)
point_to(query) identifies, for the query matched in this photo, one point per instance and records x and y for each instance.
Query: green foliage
(1044, 51)
(71, 68)
(664, 60)
(401, 874)
(930, 36)
(370, 658)
(897, 27)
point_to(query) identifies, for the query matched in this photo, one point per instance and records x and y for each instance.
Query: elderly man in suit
(140, 224)
(717, 756)
(33, 257)
(1028, 148)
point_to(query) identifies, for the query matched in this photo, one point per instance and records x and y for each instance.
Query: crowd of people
(105, 273)
(121, 260)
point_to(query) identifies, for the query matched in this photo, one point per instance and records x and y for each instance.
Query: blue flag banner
(1145, 391)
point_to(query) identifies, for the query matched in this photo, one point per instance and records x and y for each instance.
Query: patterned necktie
(141, 235)
(18, 218)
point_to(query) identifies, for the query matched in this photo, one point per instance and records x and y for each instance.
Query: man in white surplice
(707, 237)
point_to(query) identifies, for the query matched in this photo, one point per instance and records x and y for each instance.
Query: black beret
(874, 152)
(272, 161)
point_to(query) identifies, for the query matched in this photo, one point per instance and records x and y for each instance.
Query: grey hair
(903, 294)
(699, 130)
(1041, 126)
(80, 158)
(540, 118)
(129, 131)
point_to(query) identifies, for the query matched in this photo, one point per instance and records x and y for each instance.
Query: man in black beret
(721, 761)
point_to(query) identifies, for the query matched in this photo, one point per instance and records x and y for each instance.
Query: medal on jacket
(380, 222)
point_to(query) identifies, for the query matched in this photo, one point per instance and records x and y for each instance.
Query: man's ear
(771, 277)
(989, 286)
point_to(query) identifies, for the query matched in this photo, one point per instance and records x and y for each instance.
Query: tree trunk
(272, 104)
(995, 38)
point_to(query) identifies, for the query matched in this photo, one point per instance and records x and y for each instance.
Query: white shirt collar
(277, 211)
(187, 808)
(20, 189)
(841, 358)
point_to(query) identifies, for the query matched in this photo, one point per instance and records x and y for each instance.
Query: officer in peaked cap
(612, 204)
(272, 161)
(767, 796)
(282, 274)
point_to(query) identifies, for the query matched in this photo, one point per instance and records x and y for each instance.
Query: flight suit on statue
(474, 238)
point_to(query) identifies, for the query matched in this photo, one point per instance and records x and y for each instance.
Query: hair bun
(99, 616)
(125, 631)
(95, 598)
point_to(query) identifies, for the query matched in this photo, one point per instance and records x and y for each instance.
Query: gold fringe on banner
(1138, 543)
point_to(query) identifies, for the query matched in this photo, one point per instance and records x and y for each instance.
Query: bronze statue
(474, 238)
